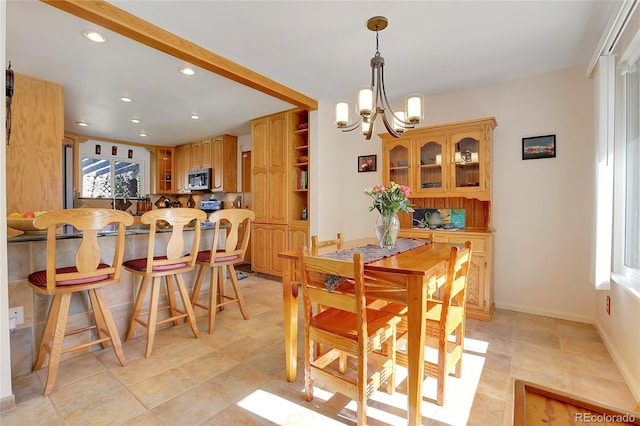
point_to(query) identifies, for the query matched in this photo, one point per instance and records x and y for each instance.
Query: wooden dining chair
(231, 231)
(86, 271)
(316, 244)
(351, 330)
(166, 258)
(445, 318)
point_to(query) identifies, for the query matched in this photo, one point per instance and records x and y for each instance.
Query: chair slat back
(317, 270)
(316, 244)
(237, 235)
(456, 284)
(88, 256)
(178, 219)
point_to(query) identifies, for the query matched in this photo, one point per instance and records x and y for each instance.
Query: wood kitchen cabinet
(269, 240)
(449, 167)
(269, 169)
(280, 187)
(183, 165)
(224, 163)
(164, 170)
(34, 152)
(201, 155)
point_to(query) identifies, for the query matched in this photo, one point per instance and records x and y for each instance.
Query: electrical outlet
(18, 314)
(608, 305)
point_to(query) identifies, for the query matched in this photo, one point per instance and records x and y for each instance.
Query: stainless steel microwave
(199, 179)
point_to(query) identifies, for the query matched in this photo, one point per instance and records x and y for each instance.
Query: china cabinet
(449, 167)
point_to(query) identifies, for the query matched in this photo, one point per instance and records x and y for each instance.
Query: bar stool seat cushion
(205, 256)
(141, 264)
(39, 278)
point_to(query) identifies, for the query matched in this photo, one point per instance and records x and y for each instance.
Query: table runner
(371, 253)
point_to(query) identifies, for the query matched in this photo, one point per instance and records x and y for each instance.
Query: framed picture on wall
(539, 147)
(367, 163)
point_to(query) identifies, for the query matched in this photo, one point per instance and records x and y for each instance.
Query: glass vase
(387, 228)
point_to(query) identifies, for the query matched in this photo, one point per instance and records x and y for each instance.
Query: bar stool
(170, 264)
(235, 247)
(88, 273)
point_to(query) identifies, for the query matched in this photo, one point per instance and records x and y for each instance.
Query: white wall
(541, 208)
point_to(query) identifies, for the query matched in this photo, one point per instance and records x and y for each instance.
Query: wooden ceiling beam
(126, 24)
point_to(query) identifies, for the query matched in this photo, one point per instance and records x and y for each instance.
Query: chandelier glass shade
(371, 100)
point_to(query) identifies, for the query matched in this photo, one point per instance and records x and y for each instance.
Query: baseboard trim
(546, 313)
(626, 374)
(7, 403)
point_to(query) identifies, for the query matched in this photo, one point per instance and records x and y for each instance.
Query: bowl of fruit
(24, 222)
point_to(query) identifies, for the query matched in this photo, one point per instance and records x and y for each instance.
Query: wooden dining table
(411, 276)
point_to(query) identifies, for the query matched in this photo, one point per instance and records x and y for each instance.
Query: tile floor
(236, 376)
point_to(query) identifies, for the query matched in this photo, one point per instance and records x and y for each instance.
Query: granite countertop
(109, 231)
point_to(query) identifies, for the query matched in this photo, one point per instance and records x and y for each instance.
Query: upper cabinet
(220, 154)
(452, 160)
(34, 152)
(224, 163)
(165, 168)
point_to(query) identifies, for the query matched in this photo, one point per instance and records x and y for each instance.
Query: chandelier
(372, 99)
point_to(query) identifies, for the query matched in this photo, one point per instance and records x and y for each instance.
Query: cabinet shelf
(301, 131)
(431, 166)
(399, 168)
(301, 148)
(301, 165)
(476, 164)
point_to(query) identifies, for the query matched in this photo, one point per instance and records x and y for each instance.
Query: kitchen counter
(135, 229)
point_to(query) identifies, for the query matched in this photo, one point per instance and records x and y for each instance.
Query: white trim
(615, 27)
(634, 386)
(545, 313)
(603, 197)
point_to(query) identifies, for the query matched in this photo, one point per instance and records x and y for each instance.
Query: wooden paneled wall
(34, 155)
(478, 212)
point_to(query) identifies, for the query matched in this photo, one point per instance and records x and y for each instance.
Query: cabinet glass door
(430, 163)
(398, 163)
(467, 150)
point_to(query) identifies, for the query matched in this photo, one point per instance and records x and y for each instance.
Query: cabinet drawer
(477, 244)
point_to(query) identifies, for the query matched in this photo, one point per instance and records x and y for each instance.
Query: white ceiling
(319, 48)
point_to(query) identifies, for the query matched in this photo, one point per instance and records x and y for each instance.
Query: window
(105, 178)
(628, 185)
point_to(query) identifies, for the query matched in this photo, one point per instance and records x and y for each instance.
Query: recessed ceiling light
(135, 120)
(125, 99)
(82, 123)
(195, 117)
(94, 36)
(187, 71)
(143, 134)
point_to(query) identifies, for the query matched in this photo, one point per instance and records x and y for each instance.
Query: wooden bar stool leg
(236, 289)
(153, 315)
(137, 310)
(171, 295)
(56, 346)
(97, 314)
(103, 307)
(198, 285)
(220, 272)
(47, 335)
(213, 299)
(184, 294)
